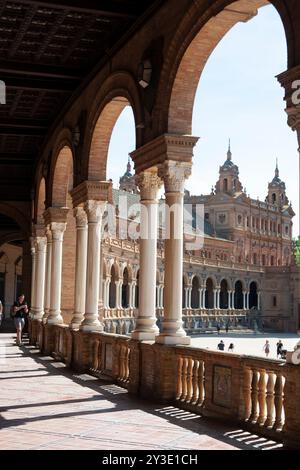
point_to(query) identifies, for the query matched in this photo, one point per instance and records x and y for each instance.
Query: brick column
(146, 328)
(80, 267)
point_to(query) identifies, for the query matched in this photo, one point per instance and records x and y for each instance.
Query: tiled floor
(44, 405)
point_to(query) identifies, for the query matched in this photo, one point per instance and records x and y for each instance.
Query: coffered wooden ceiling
(47, 48)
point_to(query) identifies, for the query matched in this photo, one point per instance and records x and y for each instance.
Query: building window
(272, 260)
(274, 301)
(264, 260)
(273, 198)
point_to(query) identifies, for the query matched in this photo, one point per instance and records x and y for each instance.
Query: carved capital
(57, 229)
(48, 234)
(55, 214)
(80, 216)
(165, 147)
(92, 191)
(174, 175)
(94, 210)
(149, 184)
(41, 244)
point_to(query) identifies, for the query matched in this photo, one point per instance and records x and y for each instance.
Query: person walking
(279, 347)
(227, 327)
(20, 310)
(231, 347)
(221, 345)
(218, 328)
(266, 348)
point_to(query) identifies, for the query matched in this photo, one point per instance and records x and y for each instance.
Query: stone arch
(197, 35)
(40, 202)
(117, 92)
(4, 259)
(62, 181)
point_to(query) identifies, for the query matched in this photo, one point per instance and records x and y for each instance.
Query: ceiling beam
(106, 8)
(22, 130)
(38, 84)
(20, 68)
(16, 159)
(24, 123)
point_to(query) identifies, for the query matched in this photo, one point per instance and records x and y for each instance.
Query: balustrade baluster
(184, 379)
(179, 377)
(248, 375)
(195, 382)
(262, 395)
(201, 380)
(278, 400)
(189, 379)
(270, 400)
(254, 397)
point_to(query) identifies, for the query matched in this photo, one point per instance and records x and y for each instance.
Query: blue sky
(238, 97)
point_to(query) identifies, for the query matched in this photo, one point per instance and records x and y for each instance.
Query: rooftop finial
(229, 154)
(128, 165)
(277, 170)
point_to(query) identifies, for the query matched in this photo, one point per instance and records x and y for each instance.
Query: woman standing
(266, 348)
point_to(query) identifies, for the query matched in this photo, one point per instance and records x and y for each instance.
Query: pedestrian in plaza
(231, 347)
(218, 329)
(266, 348)
(279, 347)
(20, 310)
(227, 327)
(221, 345)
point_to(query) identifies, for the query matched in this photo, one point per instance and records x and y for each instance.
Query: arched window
(253, 297)
(273, 198)
(225, 185)
(224, 294)
(112, 288)
(125, 289)
(238, 296)
(195, 293)
(209, 294)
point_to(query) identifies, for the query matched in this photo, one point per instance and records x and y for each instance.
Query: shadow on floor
(121, 401)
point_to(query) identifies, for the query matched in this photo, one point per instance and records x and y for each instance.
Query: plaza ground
(249, 344)
(44, 405)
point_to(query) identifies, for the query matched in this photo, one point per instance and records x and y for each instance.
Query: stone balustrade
(256, 393)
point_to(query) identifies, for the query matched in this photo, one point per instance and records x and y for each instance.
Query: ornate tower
(229, 176)
(277, 190)
(127, 181)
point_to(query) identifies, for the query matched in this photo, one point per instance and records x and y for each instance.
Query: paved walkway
(43, 405)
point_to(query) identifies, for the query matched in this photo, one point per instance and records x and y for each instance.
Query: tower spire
(229, 154)
(276, 169)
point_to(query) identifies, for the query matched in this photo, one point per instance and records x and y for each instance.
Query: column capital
(290, 81)
(174, 174)
(48, 234)
(57, 229)
(92, 190)
(165, 147)
(149, 184)
(55, 215)
(41, 243)
(94, 210)
(80, 216)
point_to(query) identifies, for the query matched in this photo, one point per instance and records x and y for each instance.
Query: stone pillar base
(144, 335)
(48, 340)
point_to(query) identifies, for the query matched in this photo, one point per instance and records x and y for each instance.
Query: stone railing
(255, 393)
(246, 389)
(110, 357)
